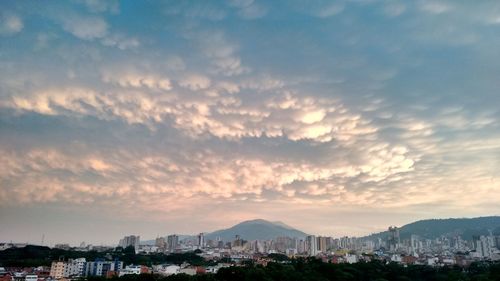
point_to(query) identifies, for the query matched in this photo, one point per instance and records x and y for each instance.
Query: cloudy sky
(338, 118)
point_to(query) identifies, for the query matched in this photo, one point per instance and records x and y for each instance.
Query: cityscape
(388, 247)
(249, 140)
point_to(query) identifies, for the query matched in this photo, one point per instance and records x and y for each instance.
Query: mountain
(256, 230)
(433, 228)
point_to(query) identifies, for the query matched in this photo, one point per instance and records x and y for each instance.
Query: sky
(158, 117)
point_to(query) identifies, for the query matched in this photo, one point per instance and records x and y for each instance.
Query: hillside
(256, 230)
(433, 228)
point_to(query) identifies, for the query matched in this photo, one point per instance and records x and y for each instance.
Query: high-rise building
(484, 246)
(100, 267)
(414, 245)
(344, 242)
(301, 246)
(497, 241)
(238, 242)
(131, 240)
(283, 243)
(201, 240)
(393, 241)
(160, 243)
(311, 245)
(322, 244)
(220, 244)
(172, 242)
(458, 243)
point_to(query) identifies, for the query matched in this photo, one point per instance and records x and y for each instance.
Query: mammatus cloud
(184, 175)
(218, 110)
(238, 109)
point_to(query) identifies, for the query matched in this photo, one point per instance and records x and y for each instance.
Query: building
(170, 269)
(160, 243)
(237, 242)
(131, 269)
(131, 240)
(393, 241)
(64, 269)
(311, 245)
(201, 240)
(104, 268)
(31, 277)
(77, 267)
(484, 246)
(172, 242)
(62, 246)
(322, 244)
(57, 269)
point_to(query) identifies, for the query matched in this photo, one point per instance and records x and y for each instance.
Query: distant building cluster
(410, 249)
(450, 249)
(131, 240)
(480, 247)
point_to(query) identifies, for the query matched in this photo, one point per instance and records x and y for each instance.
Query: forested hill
(433, 228)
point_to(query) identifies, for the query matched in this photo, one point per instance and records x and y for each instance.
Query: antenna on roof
(43, 238)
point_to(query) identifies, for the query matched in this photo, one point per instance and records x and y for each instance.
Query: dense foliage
(282, 269)
(38, 255)
(315, 270)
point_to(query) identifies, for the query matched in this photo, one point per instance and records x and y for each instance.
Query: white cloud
(250, 9)
(93, 27)
(10, 23)
(120, 41)
(434, 7)
(221, 53)
(195, 82)
(330, 10)
(316, 124)
(85, 27)
(394, 9)
(136, 80)
(98, 6)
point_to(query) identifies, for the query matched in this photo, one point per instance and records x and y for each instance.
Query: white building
(65, 269)
(171, 269)
(77, 267)
(396, 258)
(188, 270)
(351, 258)
(130, 269)
(485, 246)
(31, 277)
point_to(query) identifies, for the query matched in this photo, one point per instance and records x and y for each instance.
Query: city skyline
(338, 118)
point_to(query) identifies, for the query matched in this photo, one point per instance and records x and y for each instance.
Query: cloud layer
(249, 108)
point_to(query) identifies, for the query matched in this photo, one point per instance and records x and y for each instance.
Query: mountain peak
(256, 229)
(256, 221)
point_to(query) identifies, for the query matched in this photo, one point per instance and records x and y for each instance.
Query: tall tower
(201, 240)
(311, 245)
(172, 242)
(393, 240)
